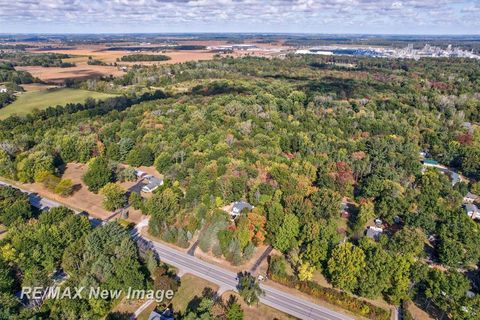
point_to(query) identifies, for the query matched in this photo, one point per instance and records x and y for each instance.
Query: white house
(153, 184)
(238, 206)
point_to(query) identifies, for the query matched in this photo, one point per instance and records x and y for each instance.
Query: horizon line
(241, 32)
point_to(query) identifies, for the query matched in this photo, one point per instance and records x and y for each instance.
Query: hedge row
(334, 297)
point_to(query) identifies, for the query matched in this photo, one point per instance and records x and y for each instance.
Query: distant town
(428, 51)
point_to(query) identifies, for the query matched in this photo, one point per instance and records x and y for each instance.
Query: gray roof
(471, 207)
(374, 233)
(455, 177)
(238, 206)
(153, 182)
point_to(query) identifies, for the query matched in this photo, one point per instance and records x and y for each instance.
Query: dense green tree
(375, 278)
(400, 279)
(446, 289)
(346, 265)
(98, 174)
(233, 309)
(14, 205)
(365, 214)
(203, 311)
(275, 217)
(135, 200)
(33, 164)
(140, 156)
(277, 265)
(64, 187)
(249, 288)
(7, 166)
(326, 203)
(6, 277)
(114, 197)
(408, 241)
(162, 208)
(459, 241)
(287, 233)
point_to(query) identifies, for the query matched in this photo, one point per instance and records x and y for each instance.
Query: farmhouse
(238, 207)
(153, 183)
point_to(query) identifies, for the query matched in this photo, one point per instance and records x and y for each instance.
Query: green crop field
(29, 101)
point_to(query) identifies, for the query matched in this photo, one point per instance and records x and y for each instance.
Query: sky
(263, 16)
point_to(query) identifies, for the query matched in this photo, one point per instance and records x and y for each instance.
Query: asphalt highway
(225, 279)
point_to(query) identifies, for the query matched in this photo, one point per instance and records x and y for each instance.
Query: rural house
(374, 233)
(153, 184)
(238, 207)
(472, 211)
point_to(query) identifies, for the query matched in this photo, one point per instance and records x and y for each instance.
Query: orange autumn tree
(257, 223)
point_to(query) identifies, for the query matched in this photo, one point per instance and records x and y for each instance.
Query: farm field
(82, 70)
(28, 101)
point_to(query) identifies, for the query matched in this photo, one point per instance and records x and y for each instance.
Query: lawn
(259, 311)
(28, 101)
(191, 286)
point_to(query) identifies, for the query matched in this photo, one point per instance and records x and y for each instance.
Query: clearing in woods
(29, 101)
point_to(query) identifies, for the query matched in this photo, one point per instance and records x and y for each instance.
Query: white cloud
(235, 14)
(397, 5)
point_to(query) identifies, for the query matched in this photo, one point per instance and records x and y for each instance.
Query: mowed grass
(191, 287)
(29, 101)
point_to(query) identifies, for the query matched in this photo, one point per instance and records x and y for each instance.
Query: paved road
(45, 204)
(225, 279)
(35, 199)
